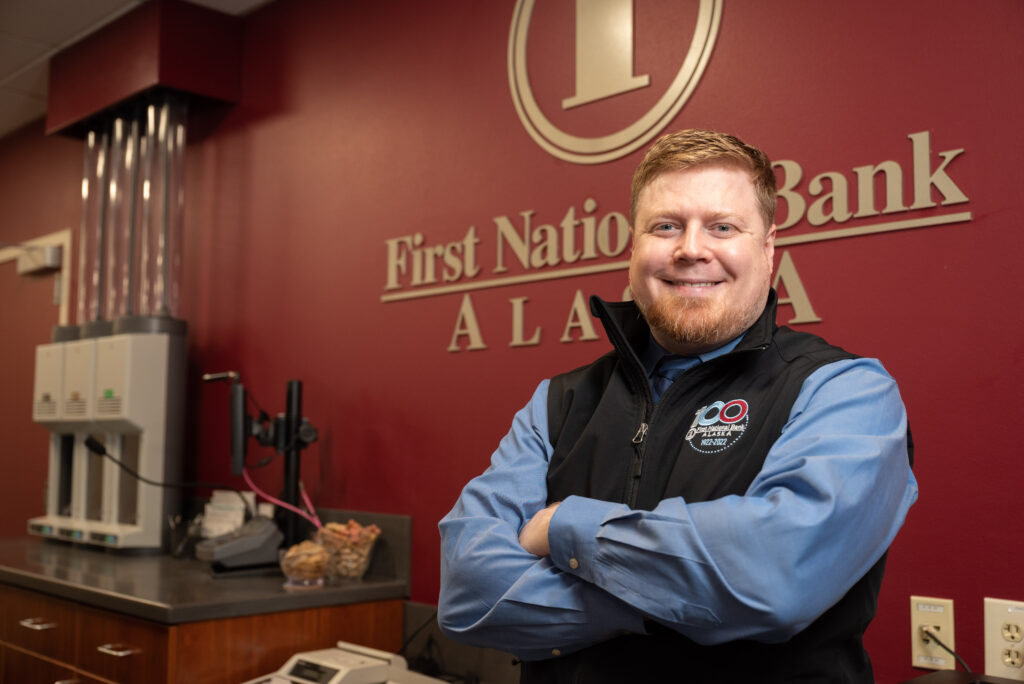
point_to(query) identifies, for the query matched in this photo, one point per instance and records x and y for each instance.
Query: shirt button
(573, 563)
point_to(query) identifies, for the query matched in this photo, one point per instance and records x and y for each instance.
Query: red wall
(40, 188)
(360, 122)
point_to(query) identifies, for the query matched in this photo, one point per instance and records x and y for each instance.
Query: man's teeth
(695, 284)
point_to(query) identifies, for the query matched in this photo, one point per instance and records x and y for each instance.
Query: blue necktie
(667, 370)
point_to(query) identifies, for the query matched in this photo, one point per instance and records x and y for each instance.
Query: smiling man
(702, 257)
(712, 500)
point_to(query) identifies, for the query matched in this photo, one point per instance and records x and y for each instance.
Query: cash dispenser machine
(111, 388)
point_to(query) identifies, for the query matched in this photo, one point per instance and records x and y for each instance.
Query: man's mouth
(687, 283)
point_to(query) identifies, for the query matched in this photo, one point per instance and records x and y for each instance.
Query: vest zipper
(638, 463)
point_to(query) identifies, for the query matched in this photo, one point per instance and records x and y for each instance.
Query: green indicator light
(108, 393)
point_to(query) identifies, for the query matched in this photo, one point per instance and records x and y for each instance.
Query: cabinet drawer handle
(117, 650)
(37, 623)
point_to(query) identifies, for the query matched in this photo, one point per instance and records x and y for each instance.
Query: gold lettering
(517, 325)
(579, 317)
(604, 234)
(397, 249)
(797, 297)
(604, 51)
(924, 179)
(469, 244)
(520, 245)
(795, 204)
(817, 214)
(466, 324)
(457, 259)
(589, 229)
(546, 251)
(417, 260)
(430, 256)
(452, 262)
(568, 225)
(866, 188)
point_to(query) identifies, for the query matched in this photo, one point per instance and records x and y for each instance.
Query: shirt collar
(655, 353)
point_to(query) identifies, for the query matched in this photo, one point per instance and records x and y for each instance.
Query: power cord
(416, 633)
(96, 447)
(929, 634)
(430, 659)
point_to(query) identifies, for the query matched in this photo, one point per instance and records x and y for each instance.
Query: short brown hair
(693, 147)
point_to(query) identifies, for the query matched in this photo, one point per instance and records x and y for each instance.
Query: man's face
(701, 264)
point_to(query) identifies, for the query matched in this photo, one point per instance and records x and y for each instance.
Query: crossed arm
(527, 578)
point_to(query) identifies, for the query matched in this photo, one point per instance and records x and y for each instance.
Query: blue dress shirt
(833, 492)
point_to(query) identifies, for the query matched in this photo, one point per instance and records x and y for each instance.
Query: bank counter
(77, 613)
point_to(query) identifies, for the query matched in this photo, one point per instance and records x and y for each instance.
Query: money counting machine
(346, 664)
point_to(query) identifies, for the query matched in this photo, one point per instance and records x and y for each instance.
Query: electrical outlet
(1004, 638)
(936, 615)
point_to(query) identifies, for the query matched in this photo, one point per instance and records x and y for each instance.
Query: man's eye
(664, 226)
(722, 228)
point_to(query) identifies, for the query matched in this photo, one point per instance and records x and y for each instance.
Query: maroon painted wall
(40, 186)
(364, 122)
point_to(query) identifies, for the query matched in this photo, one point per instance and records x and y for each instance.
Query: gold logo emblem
(604, 67)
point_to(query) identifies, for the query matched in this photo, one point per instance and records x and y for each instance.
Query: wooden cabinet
(48, 639)
(121, 648)
(18, 666)
(38, 623)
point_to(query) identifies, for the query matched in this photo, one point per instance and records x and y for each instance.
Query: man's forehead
(667, 206)
(670, 174)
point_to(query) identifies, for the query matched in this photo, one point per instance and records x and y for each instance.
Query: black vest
(706, 438)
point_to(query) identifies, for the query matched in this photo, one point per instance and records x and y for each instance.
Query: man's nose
(691, 245)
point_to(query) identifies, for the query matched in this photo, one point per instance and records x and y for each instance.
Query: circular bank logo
(718, 426)
(604, 91)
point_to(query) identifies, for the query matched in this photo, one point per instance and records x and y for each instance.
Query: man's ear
(769, 242)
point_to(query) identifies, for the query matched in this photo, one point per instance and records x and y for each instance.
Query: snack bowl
(304, 566)
(349, 549)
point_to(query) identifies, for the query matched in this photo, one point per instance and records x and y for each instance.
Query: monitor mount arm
(289, 433)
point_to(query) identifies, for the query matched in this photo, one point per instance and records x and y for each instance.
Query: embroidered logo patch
(718, 426)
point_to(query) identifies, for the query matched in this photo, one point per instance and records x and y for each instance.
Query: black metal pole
(293, 418)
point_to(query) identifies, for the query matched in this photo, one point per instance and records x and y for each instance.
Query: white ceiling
(31, 31)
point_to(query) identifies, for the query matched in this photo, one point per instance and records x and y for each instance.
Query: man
(727, 523)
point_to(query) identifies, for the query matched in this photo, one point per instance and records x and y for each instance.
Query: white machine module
(126, 391)
(346, 664)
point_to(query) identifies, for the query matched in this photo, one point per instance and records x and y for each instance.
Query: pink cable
(309, 505)
(277, 502)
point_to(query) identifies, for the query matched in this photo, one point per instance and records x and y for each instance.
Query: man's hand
(534, 535)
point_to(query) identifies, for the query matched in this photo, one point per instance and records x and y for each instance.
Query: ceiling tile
(17, 52)
(17, 109)
(55, 21)
(31, 80)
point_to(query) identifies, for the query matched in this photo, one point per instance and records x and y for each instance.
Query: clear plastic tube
(88, 307)
(160, 209)
(120, 197)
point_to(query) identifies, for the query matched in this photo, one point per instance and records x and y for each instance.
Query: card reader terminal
(254, 543)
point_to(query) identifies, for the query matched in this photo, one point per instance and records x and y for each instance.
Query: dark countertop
(175, 590)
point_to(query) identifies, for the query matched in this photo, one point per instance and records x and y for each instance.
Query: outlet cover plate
(937, 615)
(1004, 638)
